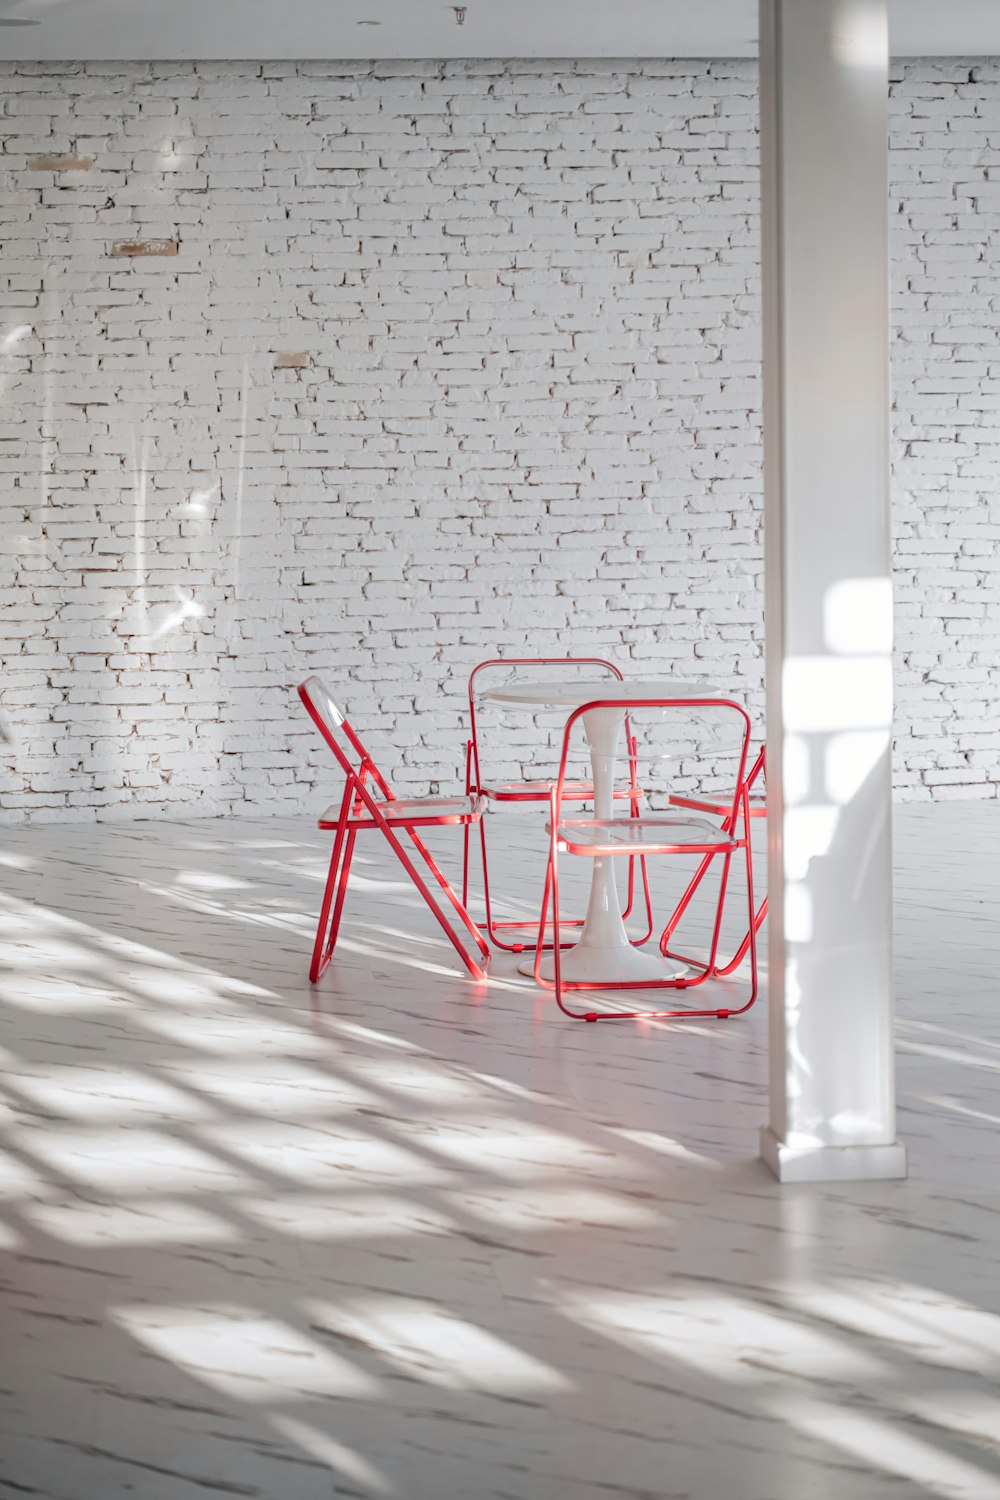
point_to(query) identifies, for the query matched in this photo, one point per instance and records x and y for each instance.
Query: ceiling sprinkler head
(459, 15)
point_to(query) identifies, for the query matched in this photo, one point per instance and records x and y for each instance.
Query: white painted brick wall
(528, 422)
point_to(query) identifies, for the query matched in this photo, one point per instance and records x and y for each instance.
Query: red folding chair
(369, 804)
(652, 832)
(718, 807)
(479, 780)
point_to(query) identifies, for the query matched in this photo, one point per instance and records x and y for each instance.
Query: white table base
(588, 964)
(604, 954)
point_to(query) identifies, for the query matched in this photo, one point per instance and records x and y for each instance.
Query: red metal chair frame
(725, 845)
(537, 792)
(717, 808)
(358, 800)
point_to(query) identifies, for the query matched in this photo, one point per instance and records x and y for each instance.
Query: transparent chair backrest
(516, 743)
(339, 734)
(318, 694)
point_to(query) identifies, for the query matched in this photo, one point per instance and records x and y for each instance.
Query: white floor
(400, 1237)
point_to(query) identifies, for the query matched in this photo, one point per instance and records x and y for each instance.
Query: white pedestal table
(603, 954)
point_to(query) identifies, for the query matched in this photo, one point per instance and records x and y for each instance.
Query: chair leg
(477, 970)
(540, 946)
(634, 810)
(721, 971)
(322, 949)
(442, 880)
(684, 903)
(638, 942)
(551, 889)
(753, 918)
(467, 829)
(719, 908)
(486, 885)
(744, 948)
(630, 899)
(756, 917)
(335, 891)
(345, 870)
(494, 928)
(556, 949)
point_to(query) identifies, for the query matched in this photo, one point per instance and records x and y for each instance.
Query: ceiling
(273, 29)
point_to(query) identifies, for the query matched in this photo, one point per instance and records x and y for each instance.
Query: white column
(824, 157)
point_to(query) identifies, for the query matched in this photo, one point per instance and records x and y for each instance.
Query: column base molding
(831, 1163)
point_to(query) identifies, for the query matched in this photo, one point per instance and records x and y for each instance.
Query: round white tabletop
(572, 694)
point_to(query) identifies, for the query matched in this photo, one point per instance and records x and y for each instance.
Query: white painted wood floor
(400, 1237)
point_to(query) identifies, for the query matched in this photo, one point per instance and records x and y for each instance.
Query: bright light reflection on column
(826, 695)
(848, 760)
(857, 617)
(864, 40)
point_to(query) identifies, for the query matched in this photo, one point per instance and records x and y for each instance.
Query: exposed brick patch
(60, 163)
(291, 361)
(144, 247)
